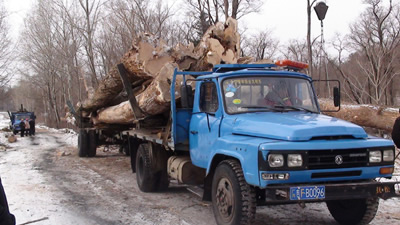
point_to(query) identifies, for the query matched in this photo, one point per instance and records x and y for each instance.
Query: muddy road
(45, 180)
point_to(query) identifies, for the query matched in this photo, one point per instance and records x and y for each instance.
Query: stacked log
(150, 64)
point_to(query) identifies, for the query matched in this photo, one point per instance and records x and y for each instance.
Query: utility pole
(321, 9)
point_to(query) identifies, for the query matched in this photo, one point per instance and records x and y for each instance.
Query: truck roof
(225, 70)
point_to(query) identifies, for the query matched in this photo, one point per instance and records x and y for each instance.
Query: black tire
(233, 200)
(144, 172)
(15, 132)
(353, 211)
(92, 143)
(151, 175)
(83, 143)
(125, 147)
(133, 148)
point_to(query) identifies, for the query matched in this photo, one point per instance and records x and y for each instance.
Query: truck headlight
(388, 155)
(375, 156)
(275, 160)
(294, 160)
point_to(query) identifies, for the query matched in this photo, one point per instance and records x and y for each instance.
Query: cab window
(208, 97)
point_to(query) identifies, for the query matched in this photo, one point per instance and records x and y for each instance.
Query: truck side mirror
(186, 96)
(336, 97)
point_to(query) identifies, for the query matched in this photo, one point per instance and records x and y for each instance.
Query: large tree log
(151, 59)
(365, 115)
(155, 99)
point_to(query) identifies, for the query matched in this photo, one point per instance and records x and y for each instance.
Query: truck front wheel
(353, 211)
(92, 143)
(233, 200)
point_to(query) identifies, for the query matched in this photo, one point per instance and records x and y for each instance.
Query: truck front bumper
(281, 194)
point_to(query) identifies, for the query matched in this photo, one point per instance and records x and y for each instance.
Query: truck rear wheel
(151, 175)
(133, 145)
(92, 143)
(83, 143)
(233, 200)
(353, 211)
(144, 171)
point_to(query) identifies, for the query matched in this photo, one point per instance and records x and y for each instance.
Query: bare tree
(261, 45)
(208, 12)
(5, 48)
(376, 37)
(91, 12)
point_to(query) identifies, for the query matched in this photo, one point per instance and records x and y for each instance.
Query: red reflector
(291, 63)
(386, 170)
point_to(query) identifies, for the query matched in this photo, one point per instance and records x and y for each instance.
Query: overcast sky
(287, 18)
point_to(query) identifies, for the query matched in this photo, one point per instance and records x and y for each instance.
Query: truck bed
(150, 134)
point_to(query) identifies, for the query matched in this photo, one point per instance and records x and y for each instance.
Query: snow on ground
(32, 199)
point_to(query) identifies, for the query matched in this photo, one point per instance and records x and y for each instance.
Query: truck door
(204, 125)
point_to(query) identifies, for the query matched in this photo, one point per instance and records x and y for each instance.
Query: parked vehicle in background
(17, 119)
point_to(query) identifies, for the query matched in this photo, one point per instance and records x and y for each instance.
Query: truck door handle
(194, 132)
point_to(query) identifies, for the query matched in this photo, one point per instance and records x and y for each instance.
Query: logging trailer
(252, 135)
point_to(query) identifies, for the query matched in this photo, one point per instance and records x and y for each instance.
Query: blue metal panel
(182, 126)
(204, 130)
(304, 176)
(246, 72)
(325, 144)
(293, 126)
(174, 134)
(244, 149)
(242, 66)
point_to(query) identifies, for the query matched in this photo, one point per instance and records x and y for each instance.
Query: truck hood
(294, 126)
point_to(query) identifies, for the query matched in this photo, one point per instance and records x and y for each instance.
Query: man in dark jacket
(396, 132)
(6, 218)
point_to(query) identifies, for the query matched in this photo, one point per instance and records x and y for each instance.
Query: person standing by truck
(27, 127)
(22, 126)
(31, 127)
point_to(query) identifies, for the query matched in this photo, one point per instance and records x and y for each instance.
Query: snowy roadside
(30, 197)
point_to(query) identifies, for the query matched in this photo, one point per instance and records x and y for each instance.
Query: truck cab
(259, 133)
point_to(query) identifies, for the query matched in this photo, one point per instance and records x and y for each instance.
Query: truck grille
(331, 159)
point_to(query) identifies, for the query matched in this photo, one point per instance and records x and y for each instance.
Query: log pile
(365, 115)
(150, 65)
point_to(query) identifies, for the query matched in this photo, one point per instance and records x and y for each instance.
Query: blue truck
(252, 135)
(16, 118)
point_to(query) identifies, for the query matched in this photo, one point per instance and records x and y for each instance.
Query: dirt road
(45, 180)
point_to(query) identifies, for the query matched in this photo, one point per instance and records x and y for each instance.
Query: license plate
(307, 193)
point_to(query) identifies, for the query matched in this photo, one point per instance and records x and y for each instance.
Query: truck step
(196, 190)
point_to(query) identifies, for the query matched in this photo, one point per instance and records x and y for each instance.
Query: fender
(249, 169)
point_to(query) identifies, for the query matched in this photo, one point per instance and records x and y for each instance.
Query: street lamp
(321, 9)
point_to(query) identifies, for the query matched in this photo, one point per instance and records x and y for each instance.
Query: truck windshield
(251, 94)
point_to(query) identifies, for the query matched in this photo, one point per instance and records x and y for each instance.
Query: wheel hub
(225, 199)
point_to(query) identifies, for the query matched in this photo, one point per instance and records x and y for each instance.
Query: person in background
(32, 127)
(6, 218)
(27, 127)
(22, 125)
(396, 132)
